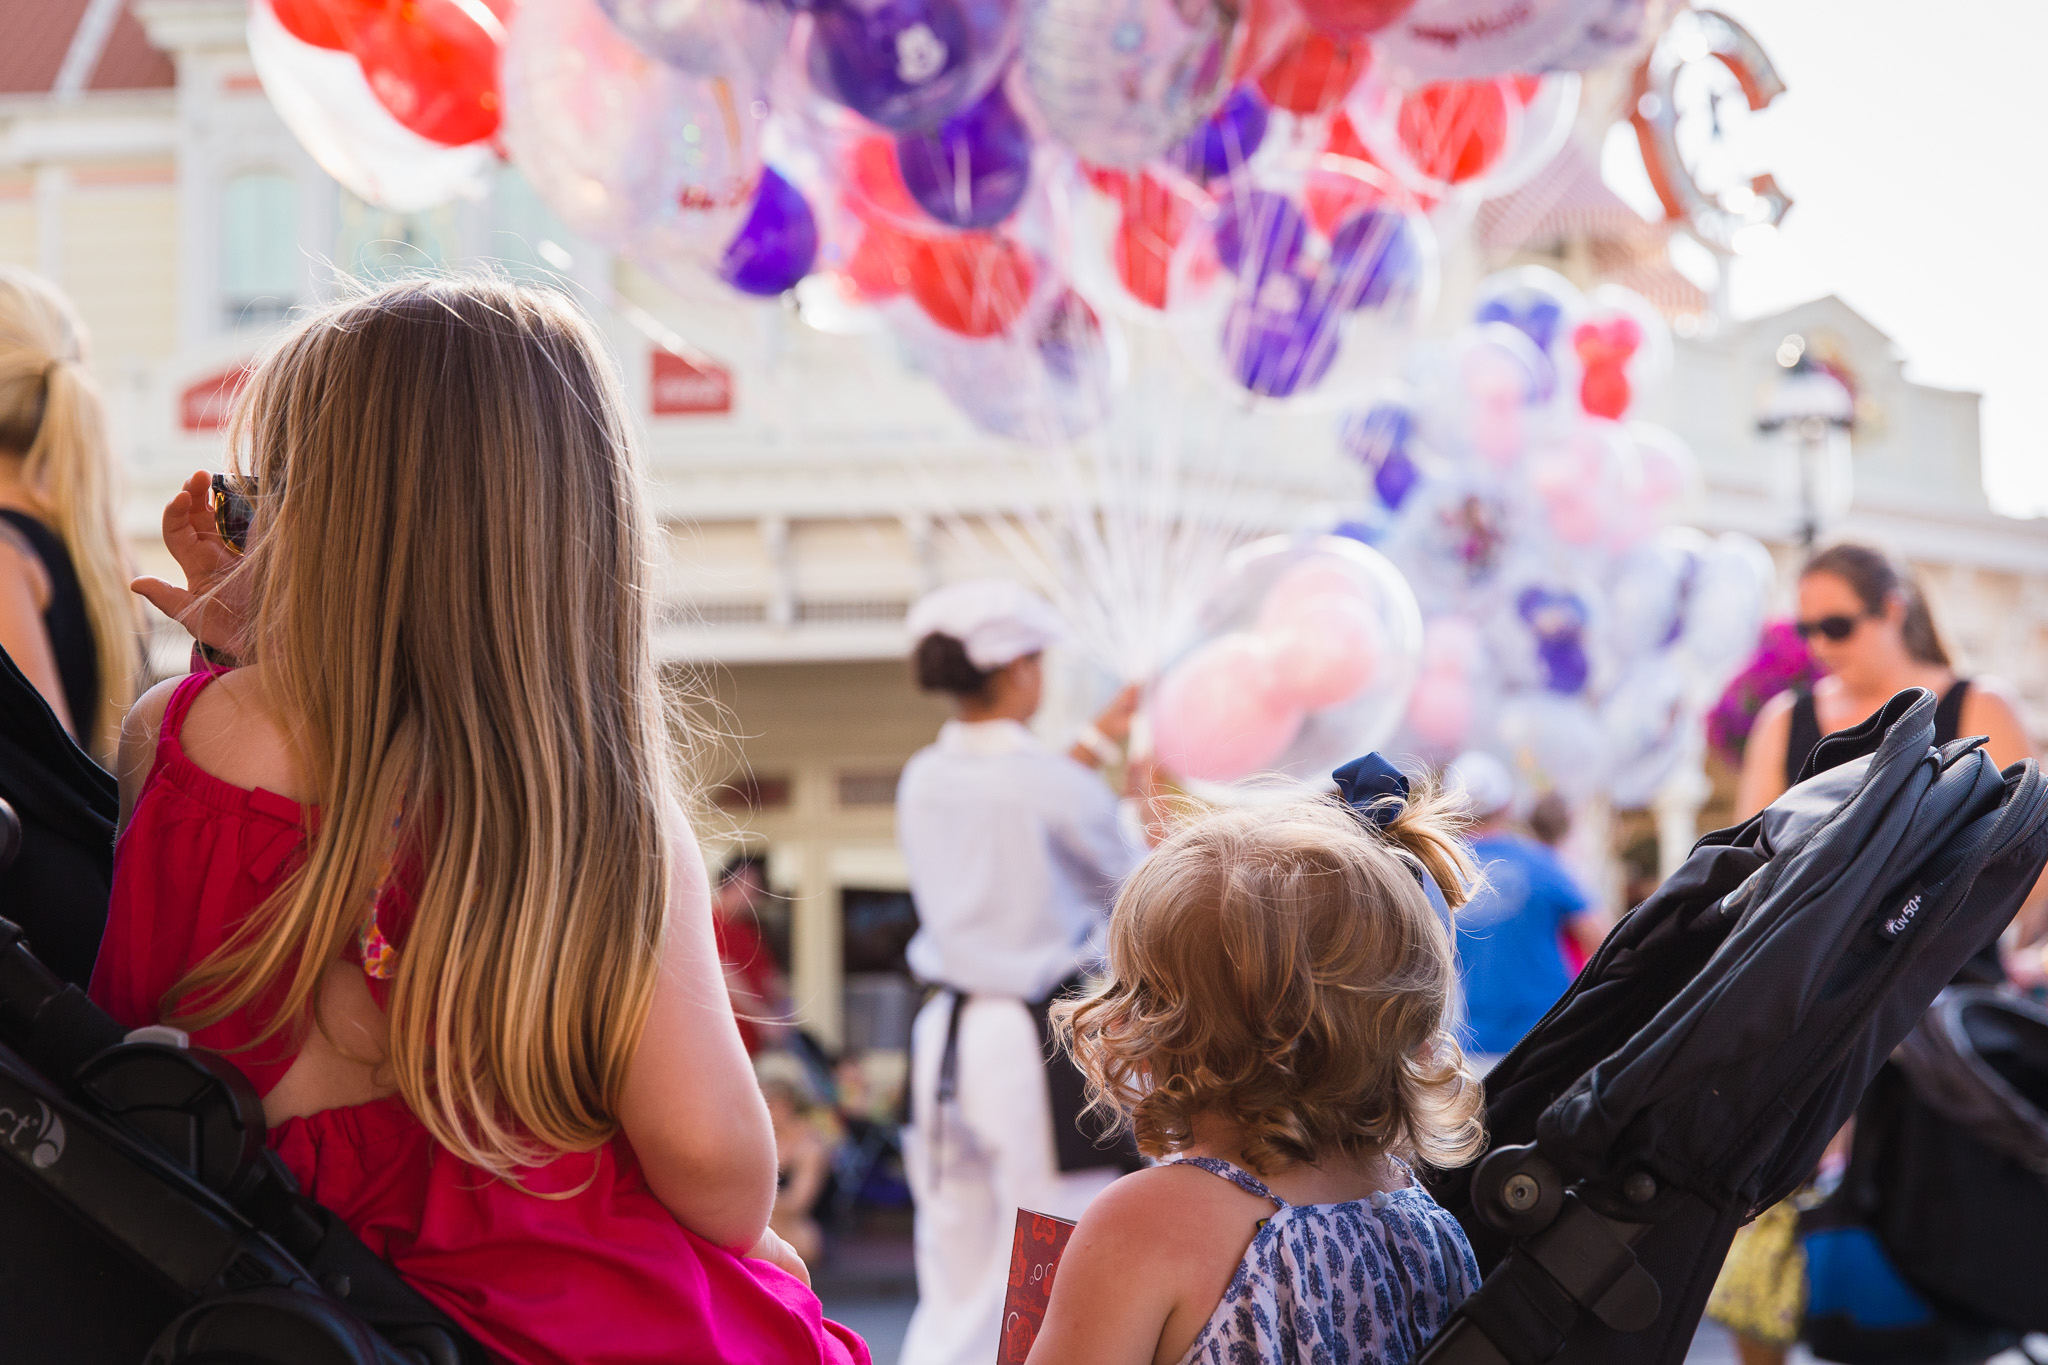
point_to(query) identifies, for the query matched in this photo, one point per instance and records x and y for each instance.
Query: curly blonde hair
(1285, 969)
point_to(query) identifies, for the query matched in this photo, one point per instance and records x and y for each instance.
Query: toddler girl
(1272, 1027)
(418, 865)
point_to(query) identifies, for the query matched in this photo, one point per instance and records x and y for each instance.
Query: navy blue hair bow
(1367, 783)
(1377, 792)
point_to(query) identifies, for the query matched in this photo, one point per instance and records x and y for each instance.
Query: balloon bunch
(1307, 652)
(986, 178)
(1568, 629)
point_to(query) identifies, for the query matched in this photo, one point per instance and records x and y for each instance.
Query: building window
(528, 242)
(259, 247)
(376, 244)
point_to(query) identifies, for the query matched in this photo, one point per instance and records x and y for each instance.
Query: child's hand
(772, 1249)
(213, 617)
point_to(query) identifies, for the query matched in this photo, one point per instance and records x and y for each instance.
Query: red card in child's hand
(1035, 1254)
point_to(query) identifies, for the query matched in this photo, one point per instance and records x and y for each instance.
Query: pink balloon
(1441, 710)
(1218, 715)
(1307, 582)
(1326, 652)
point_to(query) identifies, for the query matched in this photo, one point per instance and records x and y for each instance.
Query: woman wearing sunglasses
(1867, 623)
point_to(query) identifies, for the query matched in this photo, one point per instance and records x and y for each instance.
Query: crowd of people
(407, 845)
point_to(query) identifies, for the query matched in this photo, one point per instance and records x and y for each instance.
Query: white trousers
(990, 1154)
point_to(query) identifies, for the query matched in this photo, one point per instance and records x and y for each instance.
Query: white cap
(998, 620)
(1484, 781)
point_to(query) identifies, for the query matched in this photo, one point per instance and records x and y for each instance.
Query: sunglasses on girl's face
(233, 510)
(1836, 628)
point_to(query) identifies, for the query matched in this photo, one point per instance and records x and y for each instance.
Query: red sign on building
(681, 385)
(206, 403)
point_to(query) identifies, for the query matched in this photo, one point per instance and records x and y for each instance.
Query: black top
(65, 619)
(1805, 736)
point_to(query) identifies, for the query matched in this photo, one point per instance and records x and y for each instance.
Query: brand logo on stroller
(40, 1134)
(1899, 923)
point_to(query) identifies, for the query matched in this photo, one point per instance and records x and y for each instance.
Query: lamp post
(1807, 398)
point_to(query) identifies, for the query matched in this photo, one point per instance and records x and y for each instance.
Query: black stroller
(145, 1218)
(1727, 1028)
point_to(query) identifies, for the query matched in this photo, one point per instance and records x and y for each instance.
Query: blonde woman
(418, 865)
(66, 616)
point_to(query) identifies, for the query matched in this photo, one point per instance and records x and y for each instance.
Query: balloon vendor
(1015, 852)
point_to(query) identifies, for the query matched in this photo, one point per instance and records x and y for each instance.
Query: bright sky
(1910, 139)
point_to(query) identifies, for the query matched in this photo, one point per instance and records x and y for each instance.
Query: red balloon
(1526, 87)
(973, 283)
(1108, 179)
(323, 23)
(877, 184)
(1313, 72)
(1455, 130)
(434, 65)
(1345, 141)
(880, 266)
(1353, 18)
(1154, 220)
(1604, 392)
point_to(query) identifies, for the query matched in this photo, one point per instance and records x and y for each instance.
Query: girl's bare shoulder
(1177, 1211)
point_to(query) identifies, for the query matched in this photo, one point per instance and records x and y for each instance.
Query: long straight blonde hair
(51, 415)
(451, 604)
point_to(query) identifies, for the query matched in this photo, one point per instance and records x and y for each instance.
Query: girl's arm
(138, 744)
(24, 593)
(1110, 1300)
(691, 1107)
(1145, 1268)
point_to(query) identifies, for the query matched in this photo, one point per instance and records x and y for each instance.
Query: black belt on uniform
(1082, 1141)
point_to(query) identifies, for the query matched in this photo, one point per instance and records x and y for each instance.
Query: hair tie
(1377, 793)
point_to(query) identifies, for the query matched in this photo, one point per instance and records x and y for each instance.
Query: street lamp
(1807, 398)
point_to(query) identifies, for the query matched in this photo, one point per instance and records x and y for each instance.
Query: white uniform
(1014, 853)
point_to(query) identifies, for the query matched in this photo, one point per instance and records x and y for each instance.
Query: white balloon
(323, 97)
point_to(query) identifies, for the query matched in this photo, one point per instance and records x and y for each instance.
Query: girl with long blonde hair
(66, 616)
(418, 864)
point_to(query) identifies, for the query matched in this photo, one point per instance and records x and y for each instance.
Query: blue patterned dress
(1367, 1282)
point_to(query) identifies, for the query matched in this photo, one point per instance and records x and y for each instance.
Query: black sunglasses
(1836, 628)
(233, 510)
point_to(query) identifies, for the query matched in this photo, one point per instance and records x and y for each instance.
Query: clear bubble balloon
(1050, 378)
(1122, 82)
(704, 37)
(1553, 742)
(1461, 40)
(627, 150)
(1307, 656)
(323, 97)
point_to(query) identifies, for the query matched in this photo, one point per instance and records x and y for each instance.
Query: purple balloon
(1258, 232)
(1222, 145)
(972, 170)
(1070, 339)
(1373, 259)
(1558, 621)
(905, 64)
(778, 243)
(1281, 337)
(1378, 439)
